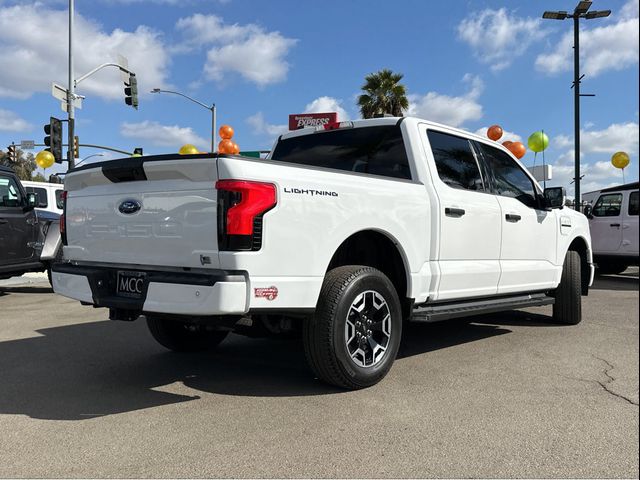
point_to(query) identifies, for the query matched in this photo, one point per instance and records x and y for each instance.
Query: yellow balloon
(45, 159)
(620, 160)
(188, 149)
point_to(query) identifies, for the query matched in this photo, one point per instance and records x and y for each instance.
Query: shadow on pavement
(25, 289)
(627, 281)
(101, 368)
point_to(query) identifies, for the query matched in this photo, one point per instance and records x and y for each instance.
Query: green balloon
(538, 141)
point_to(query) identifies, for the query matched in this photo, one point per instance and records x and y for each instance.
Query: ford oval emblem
(129, 207)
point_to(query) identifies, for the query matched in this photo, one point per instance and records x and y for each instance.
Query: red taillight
(255, 199)
(241, 204)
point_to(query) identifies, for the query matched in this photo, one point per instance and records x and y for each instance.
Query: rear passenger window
(633, 203)
(608, 205)
(41, 195)
(455, 162)
(508, 178)
(59, 202)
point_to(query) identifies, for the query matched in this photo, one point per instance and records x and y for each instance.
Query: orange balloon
(518, 149)
(506, 143)
(236, 149)
(226, 132)
(225, 146)
(494, 132)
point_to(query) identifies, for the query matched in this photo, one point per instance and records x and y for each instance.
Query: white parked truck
(613, 222)
(343, 233)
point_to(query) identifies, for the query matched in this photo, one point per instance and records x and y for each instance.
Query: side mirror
(554, 197)
(32, 201)
(588, 211)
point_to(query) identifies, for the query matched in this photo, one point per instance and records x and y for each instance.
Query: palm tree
(383, 93)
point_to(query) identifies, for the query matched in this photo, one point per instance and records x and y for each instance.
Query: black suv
(23, 230)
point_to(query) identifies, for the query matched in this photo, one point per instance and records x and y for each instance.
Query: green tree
(24, 166)
(383, 93)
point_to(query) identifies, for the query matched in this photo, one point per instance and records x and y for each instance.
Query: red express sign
(302, 120)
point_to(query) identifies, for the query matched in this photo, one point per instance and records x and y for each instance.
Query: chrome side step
(449, 310)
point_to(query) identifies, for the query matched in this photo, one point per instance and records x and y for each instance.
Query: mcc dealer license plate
(131, 284)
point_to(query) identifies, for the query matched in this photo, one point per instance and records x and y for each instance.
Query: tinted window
(508, 178)
(608, 205)
(633, 203)
(455, 162)
(59, 202)
(41, 195)
(374, 150)
(9, 193)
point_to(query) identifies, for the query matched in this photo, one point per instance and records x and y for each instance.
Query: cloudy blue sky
(466, 63)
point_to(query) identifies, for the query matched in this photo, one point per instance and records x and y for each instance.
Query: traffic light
(11, 152)
(137, 151)
(53, 140)
(131, 91)
(76, 147)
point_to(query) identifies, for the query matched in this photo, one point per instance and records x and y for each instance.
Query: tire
(181, 337)
(353, 337)
(611, 268)
(567, 308)
(57, 259)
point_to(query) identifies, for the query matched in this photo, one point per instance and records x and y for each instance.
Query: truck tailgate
(140, 212)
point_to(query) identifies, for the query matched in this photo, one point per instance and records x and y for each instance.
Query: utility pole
(576, 109)
(70, 93)
(581, 11)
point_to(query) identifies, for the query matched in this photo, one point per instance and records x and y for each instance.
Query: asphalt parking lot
(504, 395)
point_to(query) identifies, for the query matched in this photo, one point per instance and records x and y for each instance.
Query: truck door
(529, 234)
(606, 224)
(630, 225)
(468, 219)
(18, 229)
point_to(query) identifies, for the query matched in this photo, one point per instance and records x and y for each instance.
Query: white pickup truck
(343, 233)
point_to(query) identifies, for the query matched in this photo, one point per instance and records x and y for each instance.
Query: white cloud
(597, 145)
(609, 47)
(446, 109)
(163, 135)
(327, 104)
(616, 137)
(10, 122)
(247, 50)
(510, 136)
(33, 43)
(596, 176)
(262, 127)
(497, 37)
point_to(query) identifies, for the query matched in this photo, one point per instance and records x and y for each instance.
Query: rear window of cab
(378, 150)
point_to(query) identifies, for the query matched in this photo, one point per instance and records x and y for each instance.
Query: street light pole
(576, 110)
(211, 108)
(581, 11)
(70, 92)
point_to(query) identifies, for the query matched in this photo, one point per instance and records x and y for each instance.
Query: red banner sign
(302, 120)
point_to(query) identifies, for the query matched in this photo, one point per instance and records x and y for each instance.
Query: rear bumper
(215, 293)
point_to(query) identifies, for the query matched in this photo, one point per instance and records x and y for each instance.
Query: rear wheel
(353, 338)
(568, 305)
(182, 337)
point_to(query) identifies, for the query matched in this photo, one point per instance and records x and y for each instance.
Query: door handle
(454, 212)
(617, 225)
(513, 217)
(2, 220)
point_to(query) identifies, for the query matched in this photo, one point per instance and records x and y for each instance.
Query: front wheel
(568, 305)
(182, 337)
(353, 338)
